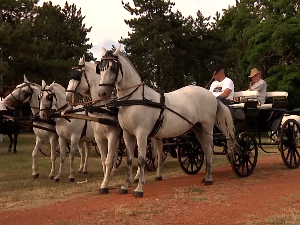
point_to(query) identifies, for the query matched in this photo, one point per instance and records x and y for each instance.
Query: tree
(42, 42)
(161, 44)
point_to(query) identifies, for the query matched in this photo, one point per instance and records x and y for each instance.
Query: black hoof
(36, 176)
(158, 178)
(135, 181)
(51, 177)
(103, 190)
(15, 151)
(85, 172)
(79, 171)
(209, 182)
(123, 192)
(138, 194)
(56, 180)
(203, 180)
(72, 179)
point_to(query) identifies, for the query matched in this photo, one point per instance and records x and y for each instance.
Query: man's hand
(226, 93)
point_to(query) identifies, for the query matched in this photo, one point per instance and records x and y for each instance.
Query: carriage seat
(275, 99)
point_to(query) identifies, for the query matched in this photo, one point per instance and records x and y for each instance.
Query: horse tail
(224, 122)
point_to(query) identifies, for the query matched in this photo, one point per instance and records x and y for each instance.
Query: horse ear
(25, 79)
(82, 61)
(51, 85)
(116, 53)
(43, 84)
(103, 51)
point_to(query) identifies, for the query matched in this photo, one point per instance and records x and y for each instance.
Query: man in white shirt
(223, 87)
(257, 84)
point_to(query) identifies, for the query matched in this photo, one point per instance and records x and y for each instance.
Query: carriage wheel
(191, 157)
(289, 143)
(46, 149)
(245, 155)
(150, 160)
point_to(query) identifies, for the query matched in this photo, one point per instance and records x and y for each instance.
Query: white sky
(107, 17)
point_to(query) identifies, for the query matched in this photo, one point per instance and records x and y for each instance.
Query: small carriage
(251, 120)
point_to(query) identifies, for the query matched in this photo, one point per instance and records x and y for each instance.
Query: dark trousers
(224, 100)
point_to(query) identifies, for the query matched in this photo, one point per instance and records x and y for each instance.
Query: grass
(18, 190)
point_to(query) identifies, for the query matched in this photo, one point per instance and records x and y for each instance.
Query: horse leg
(115, 157)
(109, 163)
(87, 147)
(11, 142)
(53, 144)
(82, 156)
(206, 141)
(74, 142)
(15, 142)
(142, 145)
(157, 146)
(62, 147)
(102, 145)
(37, 147)
(130, 146)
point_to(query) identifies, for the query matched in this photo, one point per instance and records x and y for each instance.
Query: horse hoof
(138, 194)
(56, 180)
(79, 171)
(51, 177)
(85, 172)
(209, 182)
(103, 190)
(158, 178)
(135, 181)
(15, 151)
(203, 180)
(123, 192)
(72, 179)
(36, 176)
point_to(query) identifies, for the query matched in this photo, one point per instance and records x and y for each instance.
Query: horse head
(47, 99)
(109, 68)
(79, 83)
(22, 93)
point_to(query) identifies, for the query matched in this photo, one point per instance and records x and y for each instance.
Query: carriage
(257, 120)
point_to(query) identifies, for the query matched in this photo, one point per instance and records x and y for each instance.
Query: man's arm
(226, 93)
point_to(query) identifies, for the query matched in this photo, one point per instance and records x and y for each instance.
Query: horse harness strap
(84, 127)
(160, 119)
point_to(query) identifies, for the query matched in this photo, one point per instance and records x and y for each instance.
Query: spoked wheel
(150, 159)
(289, 143)
(46, 149)
(191, 157)
(245, 155)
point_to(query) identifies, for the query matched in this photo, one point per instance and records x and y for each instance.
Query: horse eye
(49, 97)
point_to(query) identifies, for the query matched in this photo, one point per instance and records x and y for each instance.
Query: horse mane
(125, 58)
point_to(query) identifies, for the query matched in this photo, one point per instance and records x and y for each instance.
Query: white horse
(29, 92)
(86, 79)
(78, 132)
(190, 107)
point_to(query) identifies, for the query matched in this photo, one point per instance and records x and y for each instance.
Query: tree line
(167, 49)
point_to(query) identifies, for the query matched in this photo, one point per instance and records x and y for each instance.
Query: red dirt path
(271, 190)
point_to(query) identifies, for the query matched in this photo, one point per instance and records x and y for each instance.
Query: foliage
(41, 41)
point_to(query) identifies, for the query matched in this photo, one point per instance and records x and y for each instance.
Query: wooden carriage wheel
(289, 143)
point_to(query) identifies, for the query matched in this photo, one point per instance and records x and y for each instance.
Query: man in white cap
(258, 84)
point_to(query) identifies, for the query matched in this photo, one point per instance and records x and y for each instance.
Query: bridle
(76, 74)
(51, 95)
(104, 65)
(26, 96)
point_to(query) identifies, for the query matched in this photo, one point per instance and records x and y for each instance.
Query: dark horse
(11, 128)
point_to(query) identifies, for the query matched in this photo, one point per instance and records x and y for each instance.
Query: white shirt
(218, 88)
(261, 87)
(2, 105)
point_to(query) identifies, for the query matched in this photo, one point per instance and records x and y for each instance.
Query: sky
(106, 17)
